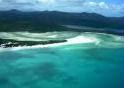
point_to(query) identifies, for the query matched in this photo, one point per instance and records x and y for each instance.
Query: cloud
(108, 9)
(104, 8)
(46, 1)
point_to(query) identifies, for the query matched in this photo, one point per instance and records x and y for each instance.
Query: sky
(113, 8)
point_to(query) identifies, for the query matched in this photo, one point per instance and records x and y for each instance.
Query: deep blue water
(70, 66)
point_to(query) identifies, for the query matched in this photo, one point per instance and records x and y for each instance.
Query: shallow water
(84, 65)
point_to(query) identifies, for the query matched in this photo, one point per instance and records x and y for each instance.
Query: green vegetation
(52, 20)
(13, 43)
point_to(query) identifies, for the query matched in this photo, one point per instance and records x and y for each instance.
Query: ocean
(91, 60)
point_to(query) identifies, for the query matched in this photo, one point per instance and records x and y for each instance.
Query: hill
(42, 21)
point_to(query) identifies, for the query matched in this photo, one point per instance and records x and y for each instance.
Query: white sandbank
(71, 41)
(99, 39)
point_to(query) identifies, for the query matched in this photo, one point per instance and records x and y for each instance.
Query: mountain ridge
(15, 20)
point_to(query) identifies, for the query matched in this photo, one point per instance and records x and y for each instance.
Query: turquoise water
(68, 66)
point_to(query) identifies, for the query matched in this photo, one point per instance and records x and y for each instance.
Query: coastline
(6, 43)
(84, 38)
(95, 30)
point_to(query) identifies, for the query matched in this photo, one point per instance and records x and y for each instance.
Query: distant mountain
(15, 20)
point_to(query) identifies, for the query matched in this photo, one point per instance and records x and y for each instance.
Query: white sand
(82, 38)
(71, 41)
(26, 36)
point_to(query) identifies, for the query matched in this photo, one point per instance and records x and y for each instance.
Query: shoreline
(82, 38)
(95, 30)
(7, 43)
(70, 41)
